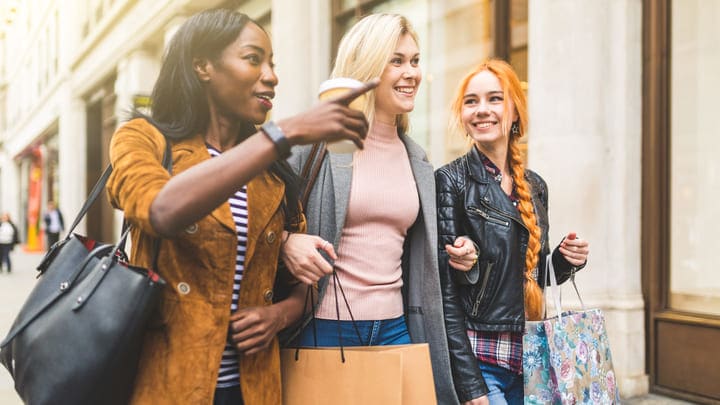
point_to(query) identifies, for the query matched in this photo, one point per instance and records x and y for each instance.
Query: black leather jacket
(490, 296)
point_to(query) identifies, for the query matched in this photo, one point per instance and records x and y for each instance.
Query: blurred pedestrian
(54, 224)
(489, 195)
(8, 239)
(224, 214)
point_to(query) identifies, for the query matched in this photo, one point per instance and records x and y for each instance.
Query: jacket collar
(475, 168)
(491, 193)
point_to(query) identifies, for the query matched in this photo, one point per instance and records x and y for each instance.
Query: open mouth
(405, 90)
(484, 125)
(265, 99)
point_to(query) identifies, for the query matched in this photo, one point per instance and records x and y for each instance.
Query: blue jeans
(372, 333)
(506, 387)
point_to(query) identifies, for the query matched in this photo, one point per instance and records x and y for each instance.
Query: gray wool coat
(326, 210)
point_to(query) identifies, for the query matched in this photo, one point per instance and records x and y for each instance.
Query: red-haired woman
(490, 196)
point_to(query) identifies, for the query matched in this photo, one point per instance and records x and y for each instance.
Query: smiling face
(241, 83)
(483, 111)
(399, 81)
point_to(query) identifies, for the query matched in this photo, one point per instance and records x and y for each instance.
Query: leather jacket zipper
(503, 214)
(476, 305)
(488, 217)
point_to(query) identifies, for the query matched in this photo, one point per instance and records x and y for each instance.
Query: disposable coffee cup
(335, 87)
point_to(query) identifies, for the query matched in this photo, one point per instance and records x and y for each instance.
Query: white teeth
(264, 97)
(484, 125)
(405, 90)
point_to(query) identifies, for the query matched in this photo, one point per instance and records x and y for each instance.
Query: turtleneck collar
(383, 132)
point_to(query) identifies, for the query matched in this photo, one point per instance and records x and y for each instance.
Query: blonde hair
(513, 94)
(365, 50)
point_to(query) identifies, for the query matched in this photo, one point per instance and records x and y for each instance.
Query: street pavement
(15, 287)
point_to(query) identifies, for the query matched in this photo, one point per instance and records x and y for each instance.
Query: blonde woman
(376, 207)
(489, 195)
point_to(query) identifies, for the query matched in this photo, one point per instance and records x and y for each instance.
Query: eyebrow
(402, 54)
(489, 92)
(255, 47)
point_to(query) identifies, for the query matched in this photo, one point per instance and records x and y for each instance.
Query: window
(694, 167)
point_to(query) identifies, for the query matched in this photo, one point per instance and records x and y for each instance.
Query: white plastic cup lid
(339, 83)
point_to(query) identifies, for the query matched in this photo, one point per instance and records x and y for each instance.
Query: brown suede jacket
(182, 350)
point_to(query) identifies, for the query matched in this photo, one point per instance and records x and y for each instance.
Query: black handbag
(77, 338)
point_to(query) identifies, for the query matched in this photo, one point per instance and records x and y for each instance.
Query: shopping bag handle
(555, 291)
(309, 296)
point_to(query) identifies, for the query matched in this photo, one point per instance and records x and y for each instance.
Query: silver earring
(515, 128)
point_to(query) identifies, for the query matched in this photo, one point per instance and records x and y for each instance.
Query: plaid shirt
(503, 349)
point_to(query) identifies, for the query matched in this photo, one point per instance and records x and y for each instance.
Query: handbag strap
(92, 197)
(311, 169)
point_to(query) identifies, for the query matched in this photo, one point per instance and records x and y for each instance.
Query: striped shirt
(229, 375)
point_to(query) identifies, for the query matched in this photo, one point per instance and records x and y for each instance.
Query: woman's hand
(253, 328)
(330, 120)
(483, 400)
(574, 249)
(463, 254)
(300, 254)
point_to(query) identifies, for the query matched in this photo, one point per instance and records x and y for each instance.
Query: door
(681, 184)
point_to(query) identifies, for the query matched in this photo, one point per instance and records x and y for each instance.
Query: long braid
(533, 293)
(514, 98)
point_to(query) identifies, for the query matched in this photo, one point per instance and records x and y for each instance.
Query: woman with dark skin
(221, 213)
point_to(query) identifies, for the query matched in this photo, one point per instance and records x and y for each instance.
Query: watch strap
(277, 136)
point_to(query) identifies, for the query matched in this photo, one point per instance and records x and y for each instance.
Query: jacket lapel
(198, 153)
(490, 192)
(425, 179)
(341, 172)
(265, 194)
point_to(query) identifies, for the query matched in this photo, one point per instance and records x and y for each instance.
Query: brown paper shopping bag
(388, 375)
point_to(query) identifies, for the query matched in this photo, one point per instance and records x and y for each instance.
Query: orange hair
(512, 94)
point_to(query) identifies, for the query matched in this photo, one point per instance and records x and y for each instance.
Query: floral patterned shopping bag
(566, 358)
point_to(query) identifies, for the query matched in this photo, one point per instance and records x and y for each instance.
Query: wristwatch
(277, 136)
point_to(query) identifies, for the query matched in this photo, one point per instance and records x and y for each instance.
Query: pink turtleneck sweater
(383, 205)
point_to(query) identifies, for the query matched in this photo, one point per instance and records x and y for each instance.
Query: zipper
(476, 305)
(488, 217)
(487, 206)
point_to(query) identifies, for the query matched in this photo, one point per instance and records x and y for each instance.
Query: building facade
(621, 128)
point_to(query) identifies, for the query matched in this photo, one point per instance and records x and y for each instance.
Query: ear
(202, 68)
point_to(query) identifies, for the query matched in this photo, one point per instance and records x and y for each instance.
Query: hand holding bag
(566, 358)
(77, 338)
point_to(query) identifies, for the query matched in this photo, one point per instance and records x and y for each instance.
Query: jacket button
(191, 229)
(268, 295)
(183, 288)
(271, 237)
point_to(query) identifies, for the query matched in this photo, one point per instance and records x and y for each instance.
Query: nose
(268, 76)
(481, 108)
(411, 72)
